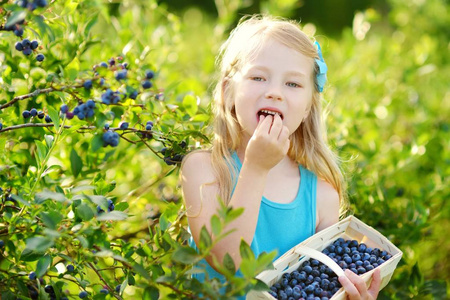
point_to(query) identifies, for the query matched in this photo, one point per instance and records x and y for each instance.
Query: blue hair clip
(322, 75)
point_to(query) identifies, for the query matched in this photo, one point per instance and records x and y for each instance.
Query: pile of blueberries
(315, 281)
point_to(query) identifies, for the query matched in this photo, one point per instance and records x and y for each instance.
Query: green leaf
(141, 270)
(69, 8)
(30, 255)
(75, 163)
(96, 142)
(98, 199)
(18, 198)
(41, 150)
(205, 238)
(216, 225)
(16, 17)
(85, 212)
(39, 243)
(260, 286)
(190, 104)
(112, 216)
(72, 69)
(51, 219)
(42, 196)
(228, 263)
(233, 214)
(54, 115)
(42, 265)
(49, 140)
(122, 206)
(131, 280)
(186, 255)
(83, 188)
(151, 293)
(245, 251)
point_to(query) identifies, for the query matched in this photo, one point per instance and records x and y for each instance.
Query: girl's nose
(273, 92)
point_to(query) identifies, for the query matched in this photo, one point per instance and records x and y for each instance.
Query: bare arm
(267, 147)
(327, 205)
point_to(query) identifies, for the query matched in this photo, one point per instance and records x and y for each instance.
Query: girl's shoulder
(198, 164)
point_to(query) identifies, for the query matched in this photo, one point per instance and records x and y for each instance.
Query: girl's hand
(269, 143)
(356, 287)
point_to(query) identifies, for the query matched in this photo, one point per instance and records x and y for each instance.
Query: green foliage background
(388, 106)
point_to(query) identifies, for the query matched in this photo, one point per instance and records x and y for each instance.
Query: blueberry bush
(93, 128)
(100, 101)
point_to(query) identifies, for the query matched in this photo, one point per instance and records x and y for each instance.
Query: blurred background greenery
(387, 100)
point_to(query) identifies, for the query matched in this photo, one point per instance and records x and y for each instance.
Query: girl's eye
(256, 78)
(293, 84)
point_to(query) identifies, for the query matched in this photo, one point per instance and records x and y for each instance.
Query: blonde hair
(308, 143)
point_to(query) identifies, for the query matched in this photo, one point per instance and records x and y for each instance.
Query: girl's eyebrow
(265, 69)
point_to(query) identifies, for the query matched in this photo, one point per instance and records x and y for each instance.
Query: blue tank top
(280, 226)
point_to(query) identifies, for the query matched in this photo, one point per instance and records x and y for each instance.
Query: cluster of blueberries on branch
(27, 47)
(26, 114)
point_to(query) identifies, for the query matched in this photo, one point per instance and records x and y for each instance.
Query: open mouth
(266, 112)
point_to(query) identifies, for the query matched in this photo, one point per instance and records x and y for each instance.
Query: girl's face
(277, 80)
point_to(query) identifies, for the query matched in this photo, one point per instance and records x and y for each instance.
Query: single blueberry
(26, 114)
(70, 268)
(18, 31)
(32, 275)
(149, 74)
(19, 46)
(48, 119)
(133, 95)
(34, 44)
(123, 125)
(87, 84)
(103, 64)
(33, 112)
(90, 104)
(119, 75)
(361, 270)
(82, 294)
(41, 114)
(146, 84)
(362, 247)
(64, 108)
(104, 291)
(41, 3)
(27, 51)
(49, 289)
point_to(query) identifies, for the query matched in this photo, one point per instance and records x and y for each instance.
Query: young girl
(269, 155)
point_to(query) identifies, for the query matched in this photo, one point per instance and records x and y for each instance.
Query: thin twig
(104, 281)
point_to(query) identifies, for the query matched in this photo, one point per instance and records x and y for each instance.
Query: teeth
(270, 112)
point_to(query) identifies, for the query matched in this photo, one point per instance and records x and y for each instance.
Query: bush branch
(38, 92)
